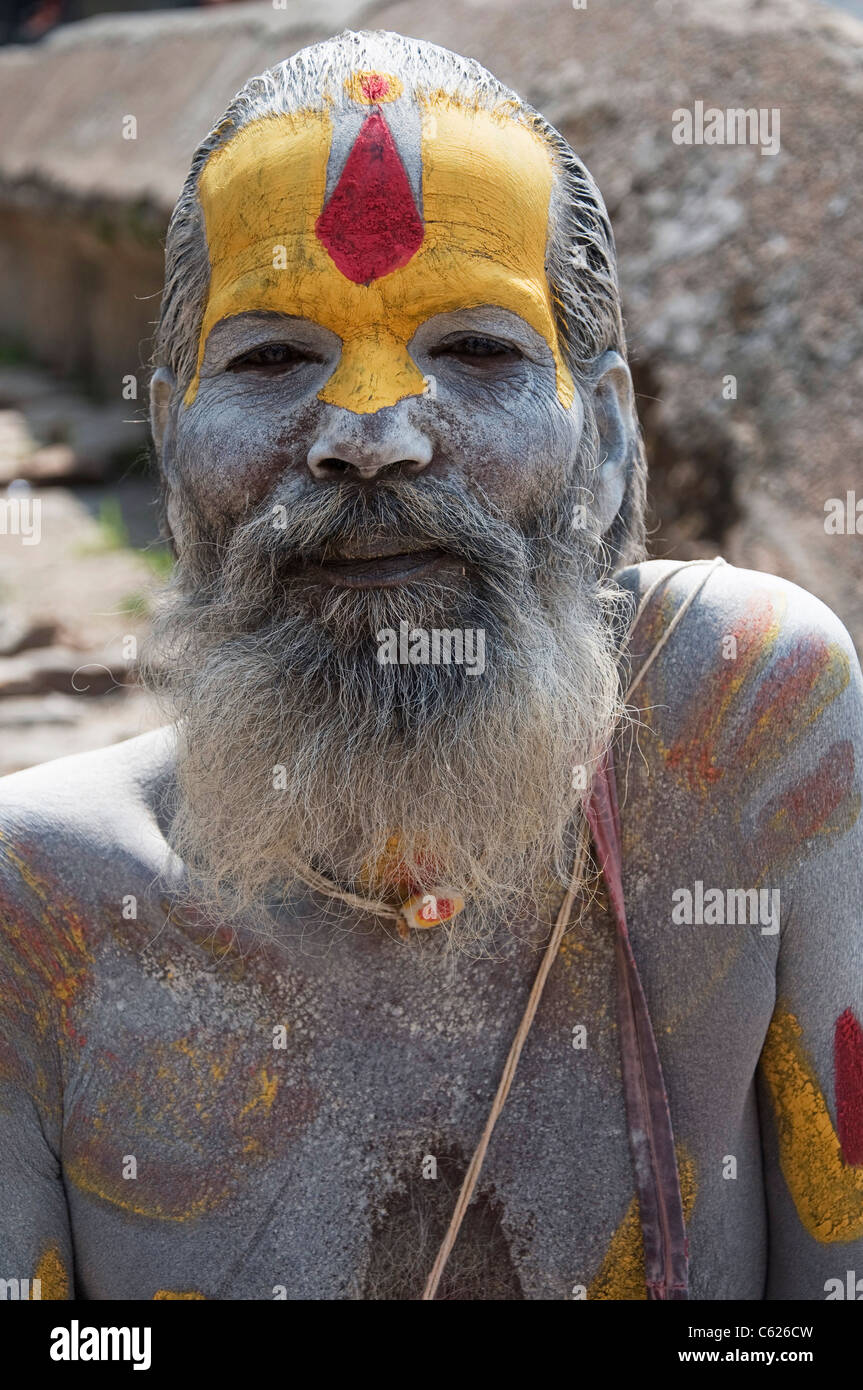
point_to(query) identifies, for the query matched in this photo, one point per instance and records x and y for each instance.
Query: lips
(381, 566)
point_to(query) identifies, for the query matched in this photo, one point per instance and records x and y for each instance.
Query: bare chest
(296, 1121)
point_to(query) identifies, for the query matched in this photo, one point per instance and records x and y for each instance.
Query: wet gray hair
(580, 258)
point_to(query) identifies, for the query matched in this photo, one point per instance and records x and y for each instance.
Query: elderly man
(267, 972)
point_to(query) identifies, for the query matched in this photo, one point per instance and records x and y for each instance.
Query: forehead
(371, 217)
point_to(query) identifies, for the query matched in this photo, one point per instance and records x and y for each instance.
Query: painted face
(326, 224)
(378, 298)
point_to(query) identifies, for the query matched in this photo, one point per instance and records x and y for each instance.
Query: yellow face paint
(486, 183)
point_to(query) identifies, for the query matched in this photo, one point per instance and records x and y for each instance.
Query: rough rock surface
(732, 262)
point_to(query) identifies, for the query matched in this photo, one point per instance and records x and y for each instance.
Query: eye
(478, 350)
(273, 356)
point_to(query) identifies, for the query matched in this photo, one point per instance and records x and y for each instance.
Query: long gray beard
(297, 746)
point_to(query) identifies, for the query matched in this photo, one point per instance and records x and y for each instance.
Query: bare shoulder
(74, 816)
(748, 683)
(761, 613)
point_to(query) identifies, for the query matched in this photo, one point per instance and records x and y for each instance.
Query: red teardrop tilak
(370, 225)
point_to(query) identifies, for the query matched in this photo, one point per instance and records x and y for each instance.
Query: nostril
(363, 457)
(333, 467)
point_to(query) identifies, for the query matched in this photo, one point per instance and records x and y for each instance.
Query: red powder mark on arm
(823, 803)
(371, 226)
(848, 1068)
(697, 753)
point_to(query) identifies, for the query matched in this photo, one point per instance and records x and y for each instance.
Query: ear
(614, 403)
(162, 385)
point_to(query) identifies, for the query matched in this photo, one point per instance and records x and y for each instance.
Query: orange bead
(433, 908)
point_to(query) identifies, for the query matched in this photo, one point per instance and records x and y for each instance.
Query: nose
(363, 457)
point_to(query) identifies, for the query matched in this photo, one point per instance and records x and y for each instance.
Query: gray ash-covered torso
(303, 1165)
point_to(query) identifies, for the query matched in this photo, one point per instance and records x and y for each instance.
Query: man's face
(382, 431)
(324, 359)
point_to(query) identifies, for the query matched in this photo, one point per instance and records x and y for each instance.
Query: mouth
(378, 566)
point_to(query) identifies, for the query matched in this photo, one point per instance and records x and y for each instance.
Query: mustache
(265, 551)
(435, 512)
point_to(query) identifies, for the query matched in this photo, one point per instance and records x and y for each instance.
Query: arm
(37, 969)
(811, 1068)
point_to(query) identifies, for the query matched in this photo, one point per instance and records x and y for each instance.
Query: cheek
(518, 455)
(231, 449)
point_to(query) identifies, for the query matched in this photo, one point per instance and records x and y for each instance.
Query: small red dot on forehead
(374, 86)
